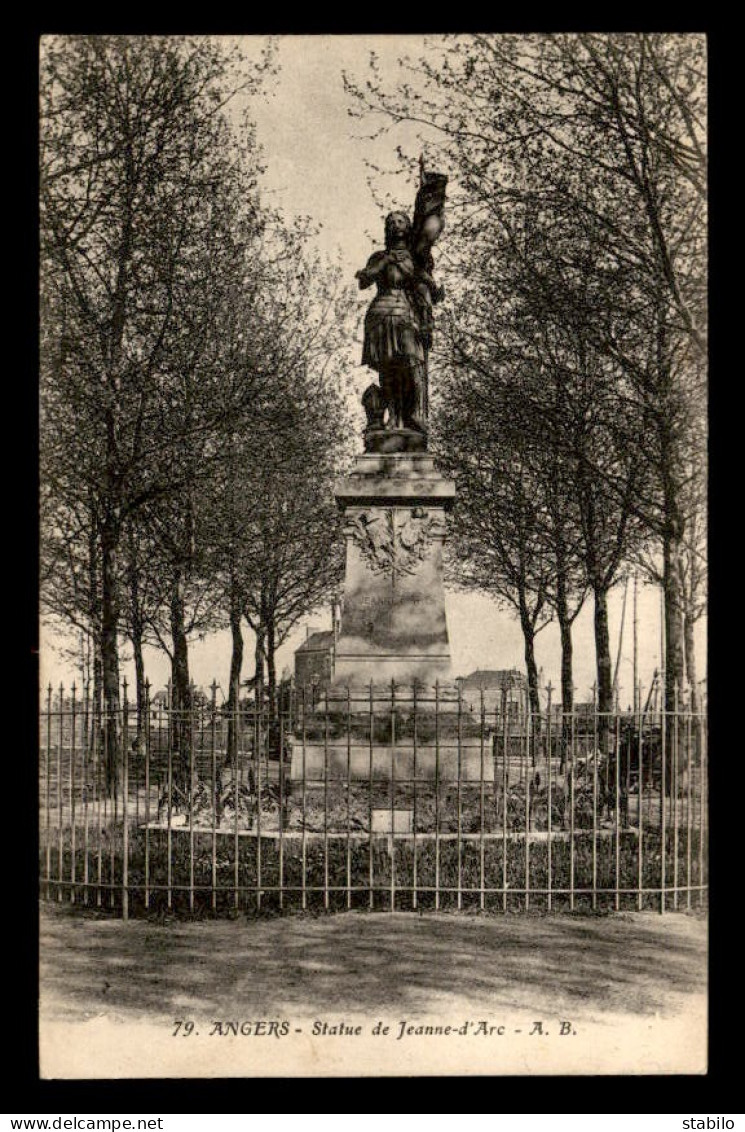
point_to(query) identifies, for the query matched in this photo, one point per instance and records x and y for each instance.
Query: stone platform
(393, 625)
(469, 762)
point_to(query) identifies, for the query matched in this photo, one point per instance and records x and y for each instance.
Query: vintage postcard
(373, 477)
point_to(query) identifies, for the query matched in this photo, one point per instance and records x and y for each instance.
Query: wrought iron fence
(399, 799)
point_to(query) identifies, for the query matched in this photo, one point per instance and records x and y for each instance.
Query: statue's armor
(393, 344)
(391, 325)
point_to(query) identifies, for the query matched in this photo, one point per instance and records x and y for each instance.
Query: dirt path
(621, 992)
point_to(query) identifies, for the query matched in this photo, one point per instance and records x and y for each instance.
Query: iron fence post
(125, 803)
(527, 804)
(326, 800)
(303, 833)
(73, 839)
(459, 811)
(147, 733)
(437, 795)
(370, 861)
(548, 816)
(48, 784)
(349, 799)
(505, 796)
(674, 786)
(85, 773)
(414, 815)
(60, 792)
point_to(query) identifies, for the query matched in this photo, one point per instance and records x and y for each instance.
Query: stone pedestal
(393, 623)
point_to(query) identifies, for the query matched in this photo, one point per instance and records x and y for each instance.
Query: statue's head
(397, 226)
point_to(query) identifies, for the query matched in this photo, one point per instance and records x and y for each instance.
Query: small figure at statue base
(393, 437)
(374, 406)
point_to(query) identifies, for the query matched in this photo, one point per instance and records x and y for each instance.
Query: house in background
(583, 716)
(159, 703)
(504, 691)
(314, 663)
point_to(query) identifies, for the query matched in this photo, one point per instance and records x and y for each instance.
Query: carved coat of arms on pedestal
(392, 539)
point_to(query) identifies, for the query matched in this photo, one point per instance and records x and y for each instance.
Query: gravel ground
(521, 994)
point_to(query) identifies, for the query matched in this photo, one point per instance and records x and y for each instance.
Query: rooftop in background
(317, 641)
(493, 679)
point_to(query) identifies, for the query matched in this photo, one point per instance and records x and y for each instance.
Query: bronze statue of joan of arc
(399, 322)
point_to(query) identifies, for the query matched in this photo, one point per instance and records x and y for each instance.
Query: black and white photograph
(373, 555)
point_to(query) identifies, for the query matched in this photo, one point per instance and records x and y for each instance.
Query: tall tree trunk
(94, 634)
(604, 704)
(567, 676)
(109, 646)
(635, 657)
(557, 506)
(235, 611)
(236, 664)
(271, 668)
(690, 664)
(259, 668)
(137, 636)
(674, 649)
(690, 586)
(140, 682)
(181, 689)
(94, 602)
(671, 471)
(565, 631)
(97, 736)
(97, 677)
(673, 617)
(527, 625)
(567, 656)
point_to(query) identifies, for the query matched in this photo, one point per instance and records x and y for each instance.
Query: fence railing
(399, 799)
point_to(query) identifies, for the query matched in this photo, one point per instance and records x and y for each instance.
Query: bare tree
(499, 521)
(134, 169)
(604, 135)
(269, 521)
(293, 558)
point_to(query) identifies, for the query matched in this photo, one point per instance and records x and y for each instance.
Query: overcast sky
(315, 158)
